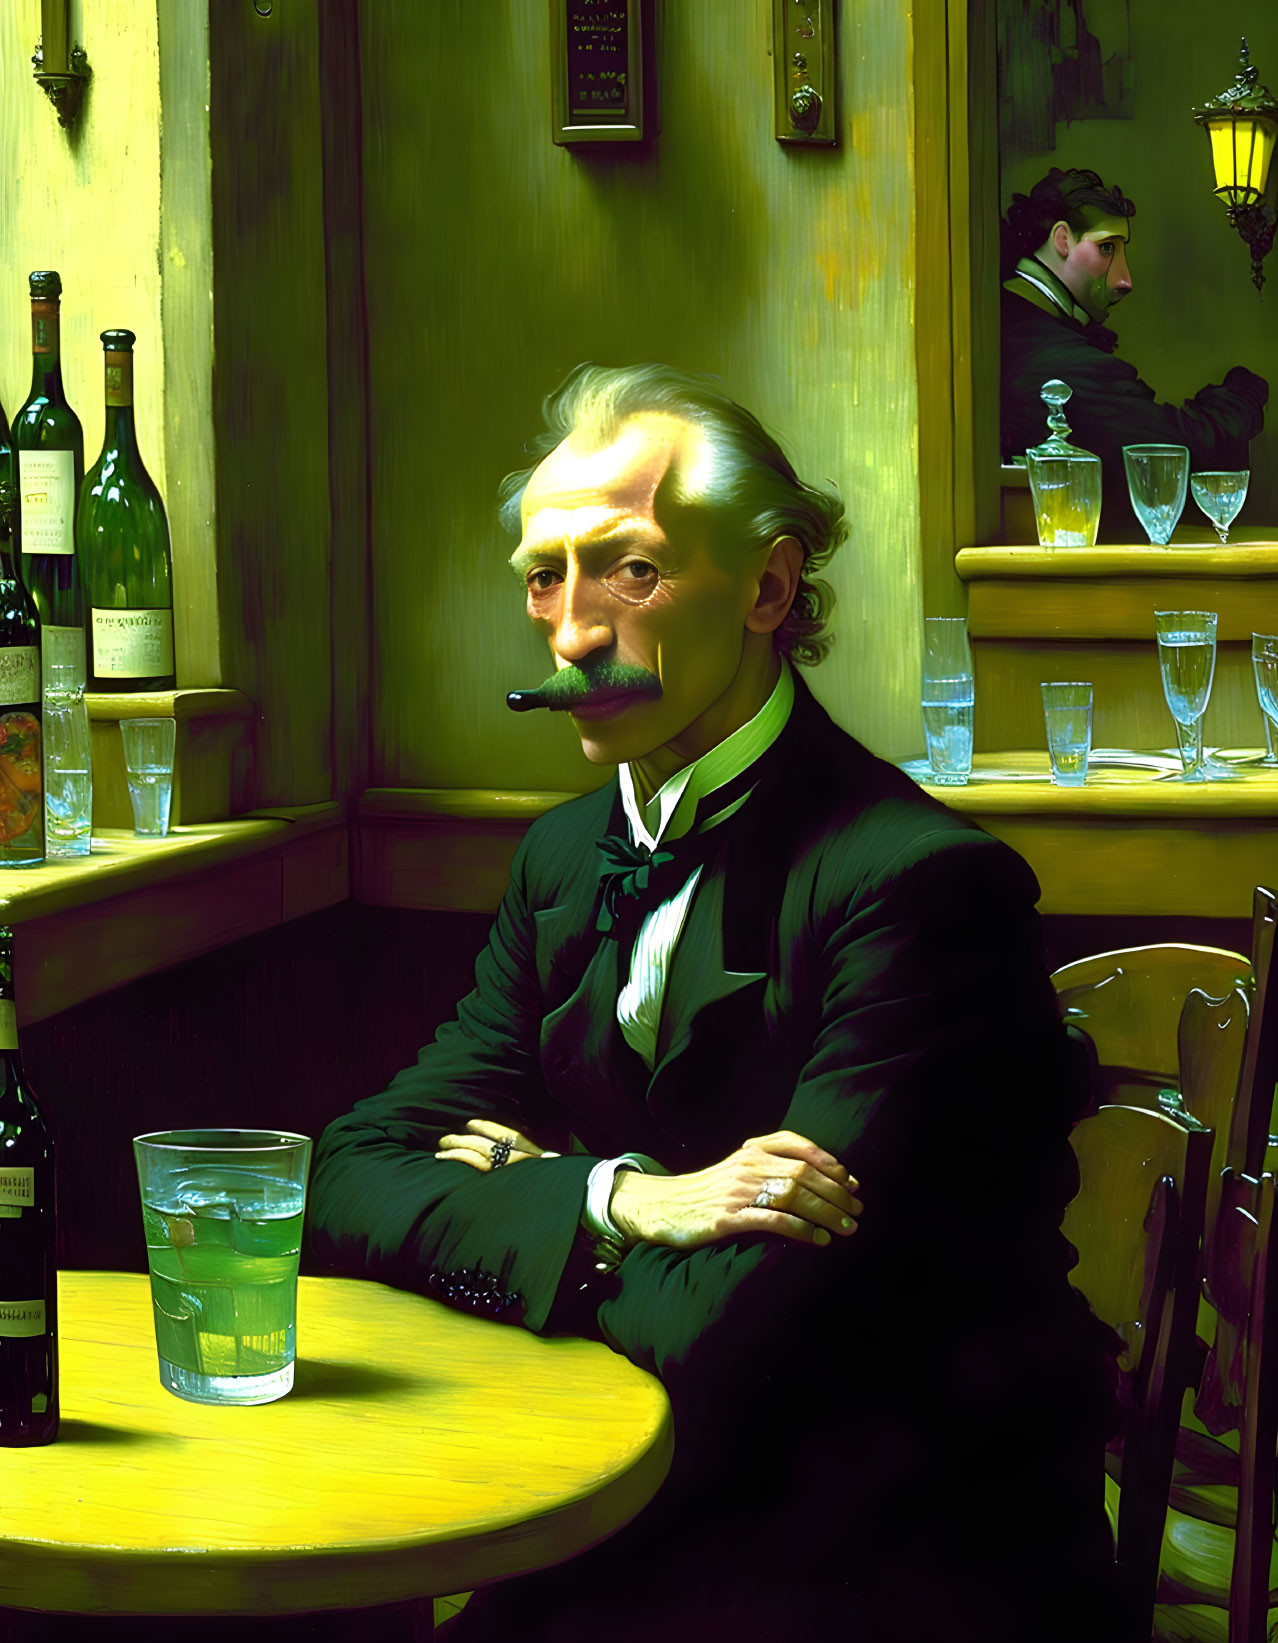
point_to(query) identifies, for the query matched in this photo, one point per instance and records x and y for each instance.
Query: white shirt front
(671, 813)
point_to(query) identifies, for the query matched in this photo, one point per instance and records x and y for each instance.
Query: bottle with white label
(28, 1275)
(122, 539)
(21, 745)
(49, 444)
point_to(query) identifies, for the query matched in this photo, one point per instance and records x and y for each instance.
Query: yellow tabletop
(421, 1452)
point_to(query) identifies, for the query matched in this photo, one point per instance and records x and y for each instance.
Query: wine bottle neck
(46, 350)
(121, 434)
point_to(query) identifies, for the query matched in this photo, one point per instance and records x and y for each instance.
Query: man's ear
(778, 584)
(1061, 239)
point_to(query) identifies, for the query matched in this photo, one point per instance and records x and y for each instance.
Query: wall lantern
(61, 68)
(1243, 126)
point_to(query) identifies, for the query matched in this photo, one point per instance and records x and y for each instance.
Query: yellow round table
(421, 1452)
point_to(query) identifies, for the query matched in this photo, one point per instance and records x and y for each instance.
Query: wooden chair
(1219, 1564)
(1135, 1224)
(1129, 1003)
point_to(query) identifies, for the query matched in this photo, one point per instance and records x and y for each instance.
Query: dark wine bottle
(8, 462)
(49, 444)
(21, 760)
(122, 540)
(28, 1275)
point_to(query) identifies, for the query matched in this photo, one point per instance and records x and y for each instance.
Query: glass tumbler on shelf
(1187, 661)
(1157, 479)
(1065, 482)
(949, 699)
(1264, 664)
(68, 764)
(1067, 714)
(1221, 496)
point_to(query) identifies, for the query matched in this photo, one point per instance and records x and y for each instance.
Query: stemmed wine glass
(1156, 480)
(1264, 664)
(1220, 496)
(1187, 660)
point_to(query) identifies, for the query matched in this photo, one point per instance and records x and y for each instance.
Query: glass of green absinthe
(223, 1214)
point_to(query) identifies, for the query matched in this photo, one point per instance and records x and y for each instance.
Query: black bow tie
(629, 870)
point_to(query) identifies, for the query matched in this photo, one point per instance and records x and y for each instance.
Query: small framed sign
(601, 71)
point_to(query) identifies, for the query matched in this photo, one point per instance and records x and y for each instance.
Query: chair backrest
(1253, 1109)
(1212, 1044)
(1240, 1383)
(1129, 1003)
(1135, 1224)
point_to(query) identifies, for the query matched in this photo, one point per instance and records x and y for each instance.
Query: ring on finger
(769, 1192)
(501, 1152)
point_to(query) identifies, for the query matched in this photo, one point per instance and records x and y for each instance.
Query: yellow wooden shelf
(1127, 843)
(135, 906)
(1111, 593)
(1255, 553)
(187, 702)
(1108, 791)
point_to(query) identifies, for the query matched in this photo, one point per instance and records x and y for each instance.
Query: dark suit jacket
(909, 1418)
(1111, 406)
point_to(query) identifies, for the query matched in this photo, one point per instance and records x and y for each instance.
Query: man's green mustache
(571, 685)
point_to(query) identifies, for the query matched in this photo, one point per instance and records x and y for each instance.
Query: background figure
(1065, 267)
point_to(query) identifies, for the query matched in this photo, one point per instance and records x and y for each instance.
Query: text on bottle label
(132, 644)
(19, 675)
(46, 480)
(17, 1185)
(21, 1318)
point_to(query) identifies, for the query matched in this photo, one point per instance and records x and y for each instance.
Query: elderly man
(1065, 249)
(763, 1083)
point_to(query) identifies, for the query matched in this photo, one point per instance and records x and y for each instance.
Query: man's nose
(1121, 279)
(584, 624)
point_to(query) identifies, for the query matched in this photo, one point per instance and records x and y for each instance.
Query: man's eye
(636, 572)
(1107, 248)
(541, 581)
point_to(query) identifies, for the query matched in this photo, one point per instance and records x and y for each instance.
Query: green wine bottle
(49, 443)
(21, 763)
(122, 541)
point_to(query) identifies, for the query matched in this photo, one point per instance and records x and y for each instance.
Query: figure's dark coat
(897, 1435)
(1111, 407)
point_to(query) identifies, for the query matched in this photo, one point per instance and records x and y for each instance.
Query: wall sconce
(1243, 126)
(61, 68)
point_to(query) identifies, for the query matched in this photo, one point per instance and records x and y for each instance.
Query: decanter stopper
(1054, 395)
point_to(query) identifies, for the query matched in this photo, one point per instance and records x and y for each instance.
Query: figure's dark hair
(747, 486)
(1073, 197)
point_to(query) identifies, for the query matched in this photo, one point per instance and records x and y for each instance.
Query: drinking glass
(222, 1211)
(1067, 712)
(1187, 660)
(1264, 664)
(1156, 479)
(949, 698)
(1220, 496)
(148, 763)
(68, 765)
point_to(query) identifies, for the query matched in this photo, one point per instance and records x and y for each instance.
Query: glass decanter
(1065, 481)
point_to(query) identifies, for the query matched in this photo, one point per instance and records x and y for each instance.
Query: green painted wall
(1193, 311)
(497, 261)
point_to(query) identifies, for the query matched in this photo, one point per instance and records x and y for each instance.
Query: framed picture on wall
(602, 81)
